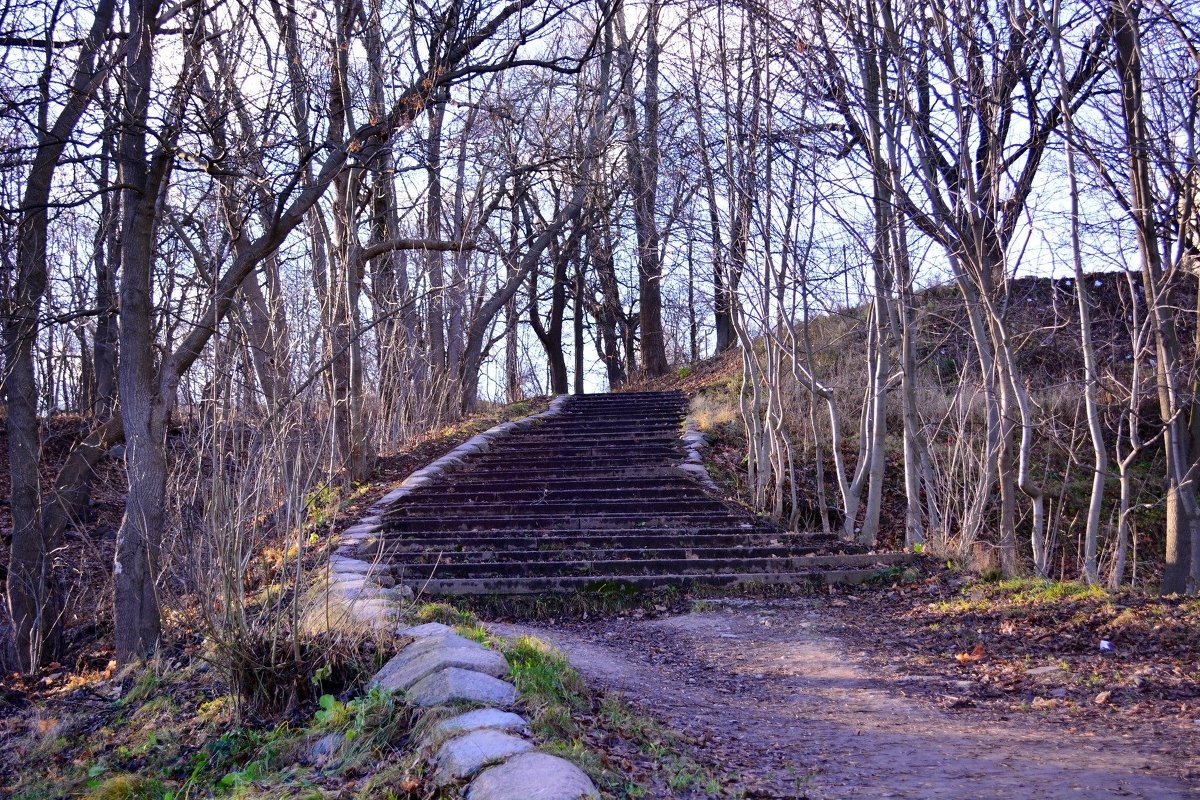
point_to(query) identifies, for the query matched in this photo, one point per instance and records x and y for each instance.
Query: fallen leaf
(974, 655)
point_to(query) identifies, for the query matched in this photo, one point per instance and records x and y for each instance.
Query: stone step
(614, 584)
(612, 423)
(602, 567)
(551, 439)
(553, 508)
(728, 520)
(581, 407)
(668, 419)
(544, 473)
(682, 491)
(427, 558)
(552, 467)
(502, 539)
(604, 448)
(467, 482)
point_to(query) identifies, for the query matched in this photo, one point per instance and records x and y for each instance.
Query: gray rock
(453, 640)
(375, 611)
(465, 755)
(407, 668)
(325, 749)
(481, 443)
(341, 564)
(454, 683)
(367, 548)
(533, 776)
(426, 630)
(1038, 672)
(358, 531)
(480, 718)
(389, 498)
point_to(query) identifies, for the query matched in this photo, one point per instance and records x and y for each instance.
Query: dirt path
(770, 694)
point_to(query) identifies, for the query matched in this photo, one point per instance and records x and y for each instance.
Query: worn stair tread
(586, 551)
(568, 521)
(502, 537)
(600, 566)
(586, 555)
(564, 584)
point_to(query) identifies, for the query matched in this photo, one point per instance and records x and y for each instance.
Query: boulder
(463, 756)
(407, 668)
(480, 718)
(463, 685)
(533, 776)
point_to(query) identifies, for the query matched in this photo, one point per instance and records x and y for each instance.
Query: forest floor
(943, 687)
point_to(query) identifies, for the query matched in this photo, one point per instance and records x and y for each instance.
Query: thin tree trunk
(31, 601)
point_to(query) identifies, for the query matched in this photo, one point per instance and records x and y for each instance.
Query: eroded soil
(782, 699)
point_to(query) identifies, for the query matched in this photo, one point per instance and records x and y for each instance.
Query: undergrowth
(181, 739)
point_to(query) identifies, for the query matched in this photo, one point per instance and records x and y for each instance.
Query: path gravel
(768, 692)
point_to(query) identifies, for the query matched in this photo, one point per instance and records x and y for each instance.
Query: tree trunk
(1182, 513)
(641, 158)
(31, 601)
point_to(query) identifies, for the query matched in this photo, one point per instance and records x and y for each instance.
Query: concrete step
(600, 566)
(553, 508)
(532, 495)
(569, 522)
(564, 584)
(576, 450)
(468, 482)
(502, 539)
(429, 558)
(519, 464)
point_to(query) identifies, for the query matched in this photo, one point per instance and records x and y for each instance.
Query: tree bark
(31, 601)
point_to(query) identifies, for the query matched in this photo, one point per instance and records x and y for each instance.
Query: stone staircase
(591, 498)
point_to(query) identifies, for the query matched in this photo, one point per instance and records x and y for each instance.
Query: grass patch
(446, 614)
(128, 787)
(543, 675)
(1040, 590)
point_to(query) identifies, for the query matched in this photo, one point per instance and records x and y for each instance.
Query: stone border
(694, 440)
(368, 597)
(486, 749)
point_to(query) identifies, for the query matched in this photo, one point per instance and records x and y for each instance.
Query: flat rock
(533, 776)
(454, 683)
(463, 756)
(480, 718)
(426, 630)
(406, 668)
(341, 564)
(1038, 672)
(450, 640)
(371, 611)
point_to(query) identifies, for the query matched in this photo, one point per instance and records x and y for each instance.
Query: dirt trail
(770, 694)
